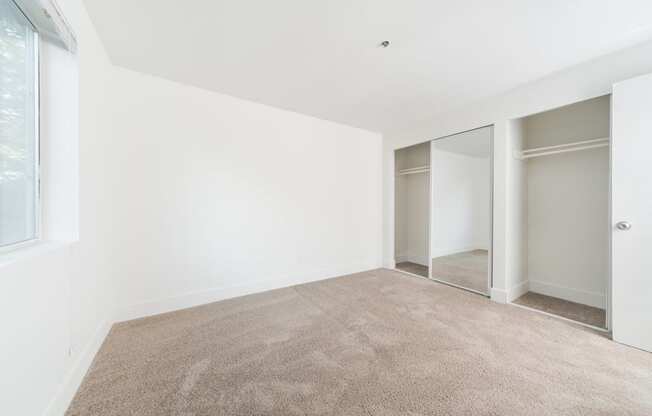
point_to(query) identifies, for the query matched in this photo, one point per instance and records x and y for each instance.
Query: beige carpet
(468, 269)
(571, 310)
(374, 343)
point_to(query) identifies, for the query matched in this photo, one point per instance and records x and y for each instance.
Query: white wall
(460, 202)
(567, 204)
(184, 197)
(416, 215)
(59, 143)
(588, 80)
(516, 270)
(56, 298)
(222, 197)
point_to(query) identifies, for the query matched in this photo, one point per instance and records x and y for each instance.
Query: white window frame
(37, 149)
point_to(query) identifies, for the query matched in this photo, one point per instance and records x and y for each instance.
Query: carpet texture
(571, 310)
(373, 343)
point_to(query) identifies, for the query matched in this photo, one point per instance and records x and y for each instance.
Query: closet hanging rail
(561, 148)
(410, 171)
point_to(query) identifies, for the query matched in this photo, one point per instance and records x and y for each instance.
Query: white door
(632, 212)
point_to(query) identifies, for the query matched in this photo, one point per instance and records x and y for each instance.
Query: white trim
(574, 295)
(561, 148)
(38, 205)
(36, 108)
(518, 290)
(47, 18)
(62, 398)
(389, 264)
(189, 300)
(424, 168)
(610, 221)
(19, 245)
(431, 194)
(412, 171)
(490, 249)
(498, 295)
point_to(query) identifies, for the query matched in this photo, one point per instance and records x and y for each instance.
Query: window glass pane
(18, 144)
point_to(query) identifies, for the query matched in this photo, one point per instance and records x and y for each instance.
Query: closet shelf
(411, 171)
(561, 148)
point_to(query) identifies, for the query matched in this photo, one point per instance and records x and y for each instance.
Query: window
(19, 181)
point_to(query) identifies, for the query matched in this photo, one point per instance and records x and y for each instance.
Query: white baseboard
(518, 290)
(389, 263)
(189, 300)
(498, 295)
(574, 295)
(62, 398)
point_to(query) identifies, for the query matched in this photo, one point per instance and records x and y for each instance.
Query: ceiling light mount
(384, 44)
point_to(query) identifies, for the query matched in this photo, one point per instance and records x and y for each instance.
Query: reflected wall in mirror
(461, 209)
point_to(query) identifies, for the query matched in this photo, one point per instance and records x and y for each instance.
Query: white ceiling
(474, 143)
(321, 57)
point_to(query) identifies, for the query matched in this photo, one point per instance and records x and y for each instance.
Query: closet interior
(461, 210)
(412, 210)
(561, 182)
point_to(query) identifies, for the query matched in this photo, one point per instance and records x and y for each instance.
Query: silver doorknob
(623, 225)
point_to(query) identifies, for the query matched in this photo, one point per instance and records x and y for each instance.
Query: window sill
(30, 250)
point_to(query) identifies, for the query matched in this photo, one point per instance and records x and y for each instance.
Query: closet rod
(562, 148)
(415, 168)
(572, 149)
(559, 146)
(412, 171)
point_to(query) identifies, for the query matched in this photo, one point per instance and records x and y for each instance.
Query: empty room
(219, 207)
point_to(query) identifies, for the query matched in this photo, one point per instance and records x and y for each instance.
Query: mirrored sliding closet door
(460, 248)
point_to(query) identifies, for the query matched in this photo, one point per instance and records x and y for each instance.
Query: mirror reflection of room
(461, 214)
